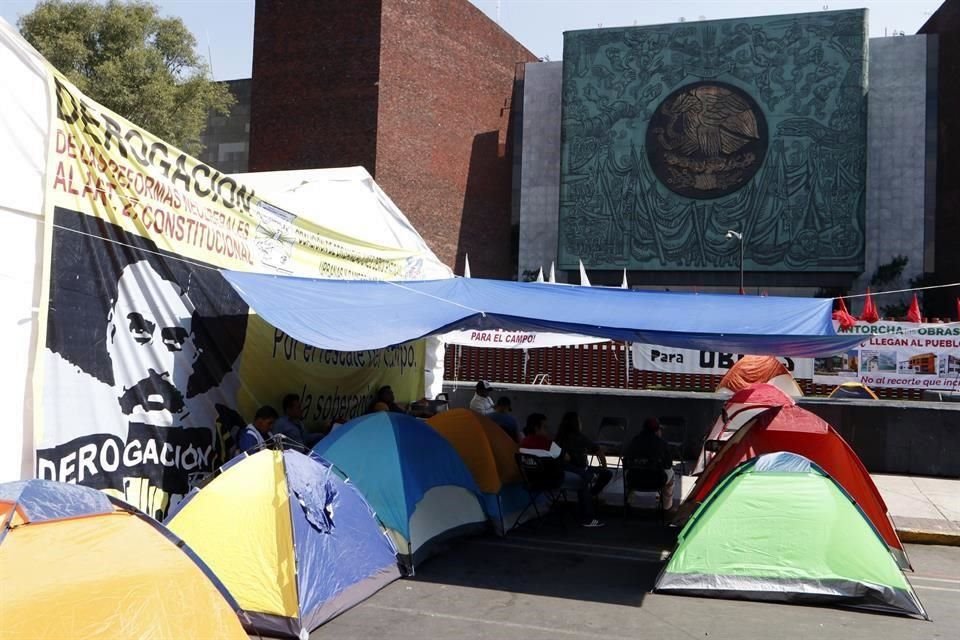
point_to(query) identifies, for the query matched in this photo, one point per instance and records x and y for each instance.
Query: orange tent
(796, 430)
(742, 407)
(485, 448)
(490, 455)
(77, 564)
(751, 369)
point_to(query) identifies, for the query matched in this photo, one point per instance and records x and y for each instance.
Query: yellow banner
(151, 362)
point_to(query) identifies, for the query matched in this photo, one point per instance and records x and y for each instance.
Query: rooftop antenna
(498, 11)
(209, 52)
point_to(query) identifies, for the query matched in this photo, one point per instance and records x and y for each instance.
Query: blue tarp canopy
(351, 315)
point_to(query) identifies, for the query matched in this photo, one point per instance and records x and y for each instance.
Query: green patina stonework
(673, 134)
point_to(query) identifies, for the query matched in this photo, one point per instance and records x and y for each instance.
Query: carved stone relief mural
(673, 134)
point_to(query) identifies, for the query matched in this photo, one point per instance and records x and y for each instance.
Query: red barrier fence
(603, 365)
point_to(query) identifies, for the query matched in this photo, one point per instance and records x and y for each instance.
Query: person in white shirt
(482, 403)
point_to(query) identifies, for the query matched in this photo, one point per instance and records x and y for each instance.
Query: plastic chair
(541, 476)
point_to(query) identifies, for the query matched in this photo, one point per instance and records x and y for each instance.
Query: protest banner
(899, 355)
(505, 339)
(651, 357)
(148, 361)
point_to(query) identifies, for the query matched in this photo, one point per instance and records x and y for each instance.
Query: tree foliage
(131, 60)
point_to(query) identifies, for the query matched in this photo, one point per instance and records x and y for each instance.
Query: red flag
(843, 316)
(913, 314)
(869, 310)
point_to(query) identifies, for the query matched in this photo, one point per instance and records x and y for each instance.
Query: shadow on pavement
(616, 564)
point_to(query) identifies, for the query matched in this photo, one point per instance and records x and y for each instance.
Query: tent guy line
(165, 256)
(423, 293)
(401, 286)
(910, 290)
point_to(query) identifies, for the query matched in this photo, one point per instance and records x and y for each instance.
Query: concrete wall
(897, 156)
(914, 438)
(540, 173)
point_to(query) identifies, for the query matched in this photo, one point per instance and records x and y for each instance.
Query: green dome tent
(778, 528)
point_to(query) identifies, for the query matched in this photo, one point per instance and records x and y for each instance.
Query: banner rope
(884, 293)
(204, 266)
(131, 246)
(438, 298)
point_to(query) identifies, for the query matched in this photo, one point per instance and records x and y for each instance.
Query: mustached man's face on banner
(151, 346)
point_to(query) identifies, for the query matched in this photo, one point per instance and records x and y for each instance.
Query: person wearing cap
(503, 416)
(481, 402)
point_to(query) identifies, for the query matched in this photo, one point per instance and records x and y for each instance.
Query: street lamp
(731, 234)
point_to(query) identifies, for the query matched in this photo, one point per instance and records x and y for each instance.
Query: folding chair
(643, 475)
(541, 476)
(675, 427)
(610, 436)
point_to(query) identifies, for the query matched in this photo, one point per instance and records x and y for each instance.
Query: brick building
(419, 92)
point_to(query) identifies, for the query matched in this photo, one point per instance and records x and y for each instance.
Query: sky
(224, 28)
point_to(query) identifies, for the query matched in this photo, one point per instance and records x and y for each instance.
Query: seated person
(537, 437)
(649, 445)
(578, 447)
(504, 418)
(257, 433)
(535, 434)
(384, 401)
(481, 402)
(290, 424)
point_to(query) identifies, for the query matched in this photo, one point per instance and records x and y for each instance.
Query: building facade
(833, 158)
(829, 176)
(419, 92)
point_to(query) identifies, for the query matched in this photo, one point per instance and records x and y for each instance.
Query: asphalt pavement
(553, 583)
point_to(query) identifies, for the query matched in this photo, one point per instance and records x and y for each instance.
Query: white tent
(24, 129)
(347, 201)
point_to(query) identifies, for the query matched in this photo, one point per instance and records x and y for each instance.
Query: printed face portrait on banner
(143, 349)
(149, 362)
(151, 345)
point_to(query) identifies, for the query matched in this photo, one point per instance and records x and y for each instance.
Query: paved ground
(552, 584)
(923, 509)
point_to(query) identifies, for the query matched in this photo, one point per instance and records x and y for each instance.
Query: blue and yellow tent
(490, 455)
(75, 563)
(413, 478)
(293, 542)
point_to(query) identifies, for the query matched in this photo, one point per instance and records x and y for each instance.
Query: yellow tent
(294, 543)
(855, 390)
(75, 564)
